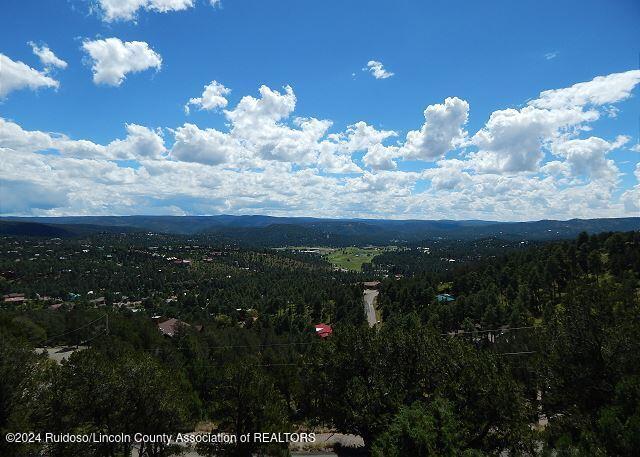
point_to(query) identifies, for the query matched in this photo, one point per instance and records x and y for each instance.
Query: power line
(324, 364)
(264, 345)
(495, 330)
(104, 332)
(74, 330)
(307, 343)
(240, 346)
(311, 343)
(517, 353)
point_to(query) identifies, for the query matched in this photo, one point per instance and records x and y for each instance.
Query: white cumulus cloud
(514, 140)
(140, 143)
(380, 157)
(213, 97)
(376, 68)
(361, 136)
(442, 130)
(259, 123)
(17, 75)
(262, 130)
(126, 10)
(631, 197)
(511, 141)
(587, 157)
(112, 59)
(206, 146)
(47, 58)
(601, 90)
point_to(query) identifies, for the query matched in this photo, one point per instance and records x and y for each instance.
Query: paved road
(370, 297)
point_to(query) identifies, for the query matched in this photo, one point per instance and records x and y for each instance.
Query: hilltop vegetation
(537, 353)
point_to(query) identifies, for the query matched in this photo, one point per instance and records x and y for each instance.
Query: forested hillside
(268, 231)
(567, 322)
(513, 350)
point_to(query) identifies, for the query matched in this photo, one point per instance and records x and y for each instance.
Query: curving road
(370, 297)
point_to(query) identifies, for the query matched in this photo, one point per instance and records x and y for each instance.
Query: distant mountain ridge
(277, 231)
(15, 227)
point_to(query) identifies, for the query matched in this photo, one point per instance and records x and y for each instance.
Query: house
(170, 326)
(14, 298)
(100, 301)
(371, 284)
(130, 305)
(323, 330)
(445, 298)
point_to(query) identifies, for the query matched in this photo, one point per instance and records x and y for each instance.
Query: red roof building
(323, 330)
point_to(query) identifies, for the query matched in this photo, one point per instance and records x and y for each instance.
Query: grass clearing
(352, 258)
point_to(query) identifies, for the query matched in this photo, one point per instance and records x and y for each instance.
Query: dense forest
(512, 349)
(269, 231)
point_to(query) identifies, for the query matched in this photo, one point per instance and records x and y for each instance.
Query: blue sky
(491, 56)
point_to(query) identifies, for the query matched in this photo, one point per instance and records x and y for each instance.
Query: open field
(352, 258)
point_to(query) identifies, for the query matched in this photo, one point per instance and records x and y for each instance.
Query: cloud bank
(541, 160)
